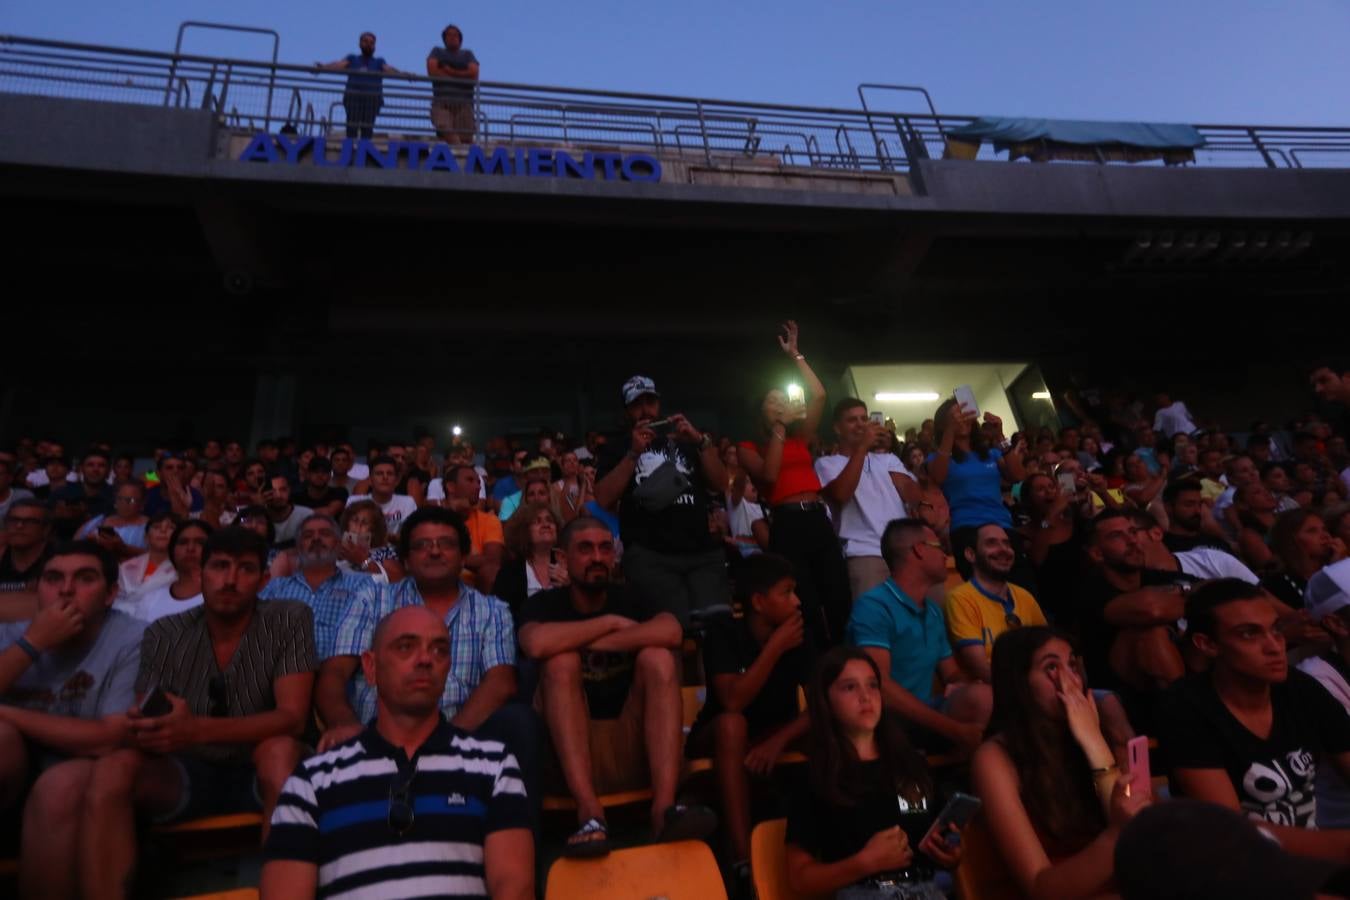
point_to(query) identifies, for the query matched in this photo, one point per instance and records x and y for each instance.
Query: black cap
(1188, 850)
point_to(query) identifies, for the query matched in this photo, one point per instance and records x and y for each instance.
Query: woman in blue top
(970, 473)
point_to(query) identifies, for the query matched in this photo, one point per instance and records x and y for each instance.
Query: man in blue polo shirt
(411, 807)
(906, 634)
(365, 87)
(320, 584)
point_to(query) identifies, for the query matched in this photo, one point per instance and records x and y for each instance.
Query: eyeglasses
(422, 545)
(401, 804)
(216, 696)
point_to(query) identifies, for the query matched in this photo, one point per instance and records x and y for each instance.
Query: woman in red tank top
(784, 472)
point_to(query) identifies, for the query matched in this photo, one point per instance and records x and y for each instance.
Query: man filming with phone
(66, 680)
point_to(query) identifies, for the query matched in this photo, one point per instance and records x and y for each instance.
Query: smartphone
(965, 397)
(658, 424)
(1136, 755)
(960, 809)
(555, 556)
(107, 531)
(1068, 483)
(156, 703)
(361, 539)
(878, 418)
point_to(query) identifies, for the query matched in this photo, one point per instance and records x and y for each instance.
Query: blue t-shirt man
(974, 491)
(916, 637)
(359, 81)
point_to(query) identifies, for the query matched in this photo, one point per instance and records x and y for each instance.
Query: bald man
(411, 797)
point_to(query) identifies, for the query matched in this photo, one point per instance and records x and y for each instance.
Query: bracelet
(33, 652)
(799, 356)
(365, 563)
(781, 435)
(1109, 770)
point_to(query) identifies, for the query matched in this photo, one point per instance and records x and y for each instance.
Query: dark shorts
(211, 789)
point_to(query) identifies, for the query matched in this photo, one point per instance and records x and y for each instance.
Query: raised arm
(814, 390)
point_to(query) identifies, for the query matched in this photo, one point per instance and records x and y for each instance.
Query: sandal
(584, 843)
(688, 823)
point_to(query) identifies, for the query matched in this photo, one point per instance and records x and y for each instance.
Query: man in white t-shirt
(1204, 563)
(383, 482)
(1173, 417)
(866, 488)
(1327, 602)
(285, 515)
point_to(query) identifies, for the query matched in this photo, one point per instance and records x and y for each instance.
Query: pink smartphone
(1136, 754)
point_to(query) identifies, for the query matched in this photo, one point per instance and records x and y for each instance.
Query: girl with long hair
(969, 471)
(860, 829)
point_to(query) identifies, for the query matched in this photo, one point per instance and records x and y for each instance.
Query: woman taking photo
(531, 536)
(860, 828)
(969, 471)
(1054, 798)
(365, 543)
(785, 475)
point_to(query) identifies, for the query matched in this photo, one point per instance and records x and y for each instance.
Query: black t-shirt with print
(606, 676)
(331, 495)
(1273, 777)
(730, 649)
(681, 527)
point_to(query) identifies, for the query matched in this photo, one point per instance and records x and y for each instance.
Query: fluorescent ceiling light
(915, 397)
(1041, 395)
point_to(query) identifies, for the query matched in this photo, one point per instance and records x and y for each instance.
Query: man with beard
(327, 590)
(1190, 523)
(609, 690)
(987, 605)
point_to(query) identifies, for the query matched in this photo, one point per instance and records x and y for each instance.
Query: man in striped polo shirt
(413, 806)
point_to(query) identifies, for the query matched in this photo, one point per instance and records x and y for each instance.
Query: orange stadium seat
(768, 863)
(982, 874)
(685, 870)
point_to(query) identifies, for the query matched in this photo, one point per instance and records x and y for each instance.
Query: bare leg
(973, 703)
(568, 721)
(119, 783)
(731, 741)
(13, 765)
(51, 824)
(657, 685)
(274, 759)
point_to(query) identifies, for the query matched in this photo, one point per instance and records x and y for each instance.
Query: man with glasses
(987, 605)
(413, 806)
(236, 677)
(67, 678)
(26, 541)
(905, 633)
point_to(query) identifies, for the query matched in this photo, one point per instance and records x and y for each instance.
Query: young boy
(754, 666)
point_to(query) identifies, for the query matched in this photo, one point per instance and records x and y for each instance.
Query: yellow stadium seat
(768, 862)
(685, 870)
(692, 699)
(982, 874)
(237, 894)
(214, 823)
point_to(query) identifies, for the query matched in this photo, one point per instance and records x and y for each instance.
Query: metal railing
(269, 95)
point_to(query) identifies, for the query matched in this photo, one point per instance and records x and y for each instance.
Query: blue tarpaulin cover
(1004, 131)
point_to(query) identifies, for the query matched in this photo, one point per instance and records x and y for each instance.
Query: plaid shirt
(330, 602)
(482, 636)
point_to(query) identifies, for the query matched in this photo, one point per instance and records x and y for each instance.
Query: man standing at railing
(456, 71)
(365, 87)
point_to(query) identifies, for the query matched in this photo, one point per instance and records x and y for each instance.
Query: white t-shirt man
(861, 520)
(289, 527)
(1207, 563)
(1174, 419)
(395, 510)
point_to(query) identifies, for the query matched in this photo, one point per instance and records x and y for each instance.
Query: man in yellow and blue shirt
(981, 609)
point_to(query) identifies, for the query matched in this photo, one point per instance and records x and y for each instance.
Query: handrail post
(703, 130)
(1261, 148)
(210, 86)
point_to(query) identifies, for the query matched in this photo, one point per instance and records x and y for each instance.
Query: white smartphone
(966, 398)
(877, 417)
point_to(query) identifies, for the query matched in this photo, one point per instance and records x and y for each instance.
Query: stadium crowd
(395, 658)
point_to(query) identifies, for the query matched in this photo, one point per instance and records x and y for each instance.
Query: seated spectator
(1328, 604)
(510, 481)
(251, 484)
(121, 532)
(932, 503)
(860, 828)
(1337, 521)
(981, 609)
(67, 679)
(238, 675)
(754, 666)
(383, 481)
(970, 473)
(284, 515)
(1049, 776)
(1302, 546)
(319, 584)
(8, 493)
(463, 491)
(1053, 538)
(669, 552)
(748, 528)
(28, 529)
(217, 501)
(1275, 476)
(1145, 488)
(365, 543)
(531, 540)
(185, 591)
(1213, 480)
(536, 487)
(54, 475)
(152, 569)
(1200, 564)
(897, 625)
(866, 486)
(343, 461)
(318, 495)
(73, 503)
(609, 690)
(783, 472)
(1248, 733)
(1190, 520)
(574, 490)
(482, 679)
(1254, 508)
(171, 492)
(458, 820)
